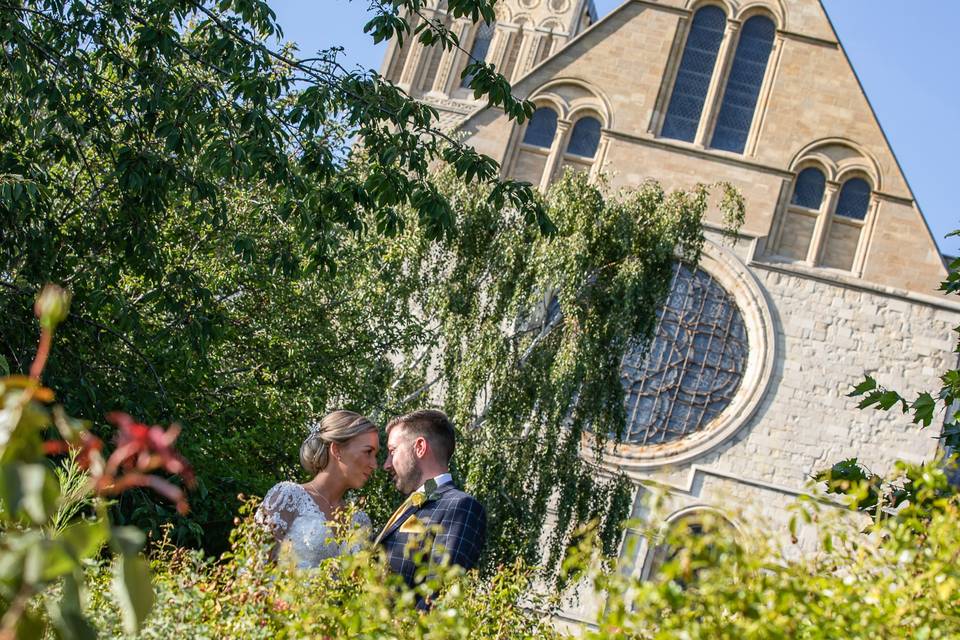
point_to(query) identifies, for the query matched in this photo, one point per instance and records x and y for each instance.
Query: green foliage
(191, 184)
(525, 333)
(352, 596)
(900, 581)
(237, 268)
(50, 525)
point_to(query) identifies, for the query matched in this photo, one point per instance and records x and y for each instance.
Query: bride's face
(358, 458)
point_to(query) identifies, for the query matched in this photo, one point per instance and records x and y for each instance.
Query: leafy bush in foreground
(898, 578)
(354, 596)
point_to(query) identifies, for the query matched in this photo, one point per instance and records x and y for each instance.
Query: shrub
(245, 596)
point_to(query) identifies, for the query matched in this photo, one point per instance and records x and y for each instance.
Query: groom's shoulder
(455, 498)
(454, 493)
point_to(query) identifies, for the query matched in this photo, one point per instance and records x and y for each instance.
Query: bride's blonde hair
(337, 426)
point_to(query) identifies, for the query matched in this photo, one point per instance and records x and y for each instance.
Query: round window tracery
(693, 366)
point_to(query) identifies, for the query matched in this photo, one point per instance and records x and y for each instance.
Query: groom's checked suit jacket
(461, 531)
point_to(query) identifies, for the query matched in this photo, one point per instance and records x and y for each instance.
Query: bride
(340, 454)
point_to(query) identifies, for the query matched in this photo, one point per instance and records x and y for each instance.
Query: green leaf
(890, 398)
(127, 540)
(67, 614)
(31, 625)
(85, 539)
(868, 384)
(923, 408)
(131, 584)
(29, 490)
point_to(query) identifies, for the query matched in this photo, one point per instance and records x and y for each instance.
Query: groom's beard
(408, 483)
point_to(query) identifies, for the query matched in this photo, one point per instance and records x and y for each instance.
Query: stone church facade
(743, 394)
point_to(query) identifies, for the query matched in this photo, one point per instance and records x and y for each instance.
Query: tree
(238, 267)
(190, 184)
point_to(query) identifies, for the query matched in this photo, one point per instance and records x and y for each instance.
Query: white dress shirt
(441, 479)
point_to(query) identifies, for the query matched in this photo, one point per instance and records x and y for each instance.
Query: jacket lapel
(413, 509)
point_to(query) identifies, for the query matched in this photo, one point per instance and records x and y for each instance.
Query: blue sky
(902, 51)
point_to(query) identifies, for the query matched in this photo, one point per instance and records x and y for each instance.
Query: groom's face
(402, 463)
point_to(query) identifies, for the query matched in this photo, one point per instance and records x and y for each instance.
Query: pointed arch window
(479, 48)
(541, 128)
(693, 77)
(808, 190)
(585, 138)
(854, 199)
(743, 86)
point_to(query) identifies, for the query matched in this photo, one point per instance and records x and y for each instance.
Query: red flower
(146, 448)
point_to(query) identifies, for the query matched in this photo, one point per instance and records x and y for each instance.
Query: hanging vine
(527, 335)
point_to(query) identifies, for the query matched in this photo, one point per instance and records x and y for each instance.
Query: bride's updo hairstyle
(336, 426)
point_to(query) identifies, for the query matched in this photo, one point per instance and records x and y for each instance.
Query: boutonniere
(420, 498)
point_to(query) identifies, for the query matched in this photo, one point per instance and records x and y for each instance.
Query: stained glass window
(584, 138)
(694, 365)
(478, 51)
(854, 199)
(808, 190)
(693, 76)
(743, 86)
(541, 128)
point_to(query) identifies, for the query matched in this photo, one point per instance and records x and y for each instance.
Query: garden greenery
(236, 267)
(898, 578)
(187, 178)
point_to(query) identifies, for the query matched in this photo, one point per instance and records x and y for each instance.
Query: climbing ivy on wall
(524, 338)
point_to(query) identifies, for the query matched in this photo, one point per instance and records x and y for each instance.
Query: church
(743, 394)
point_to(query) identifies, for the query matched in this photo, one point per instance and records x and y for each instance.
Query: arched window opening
(743, 86)
(704, 537)
(478, 51)
(808, 190)
(694, 74)
(854, 199)
(584, 138)
(541, 128)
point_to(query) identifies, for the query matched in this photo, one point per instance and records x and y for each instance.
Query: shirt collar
(441, 479)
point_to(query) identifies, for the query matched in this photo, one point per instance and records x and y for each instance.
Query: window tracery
(694, 365)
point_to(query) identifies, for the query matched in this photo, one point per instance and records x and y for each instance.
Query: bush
(898, 578)
(355, 596)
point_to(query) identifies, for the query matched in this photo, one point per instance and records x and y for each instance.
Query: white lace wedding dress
(291, 514)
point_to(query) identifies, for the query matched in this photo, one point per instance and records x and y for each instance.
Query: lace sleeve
(280, 507)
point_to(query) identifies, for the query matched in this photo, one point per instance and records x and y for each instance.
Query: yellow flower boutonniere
(418, 498)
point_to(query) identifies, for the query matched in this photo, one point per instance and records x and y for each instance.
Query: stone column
(408, 75)
(866, 235)
(601, 154)
(498, 47)
(528, 51)
(441, 84)
(555, 159)
(822, 228)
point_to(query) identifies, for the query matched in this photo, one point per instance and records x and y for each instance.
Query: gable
(810, 103)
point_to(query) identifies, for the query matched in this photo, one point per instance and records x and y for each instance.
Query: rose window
(693, 366)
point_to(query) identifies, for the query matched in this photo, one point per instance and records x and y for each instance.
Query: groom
(419, 448)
